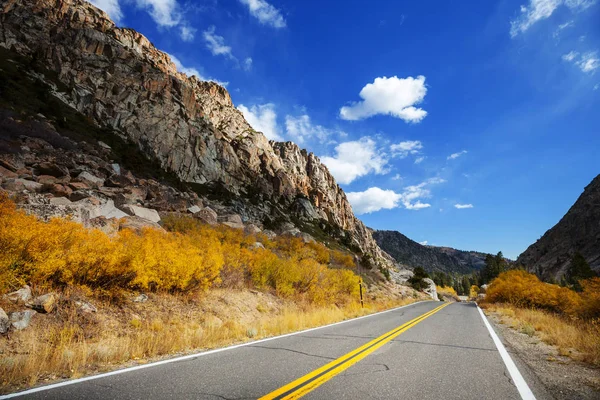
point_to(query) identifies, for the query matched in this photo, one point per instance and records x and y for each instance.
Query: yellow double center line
(312, 380)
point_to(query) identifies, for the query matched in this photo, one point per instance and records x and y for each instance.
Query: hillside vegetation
(559, 315)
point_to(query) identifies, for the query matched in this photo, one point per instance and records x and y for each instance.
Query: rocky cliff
(578, 231)
(120, 81)
(409, 253)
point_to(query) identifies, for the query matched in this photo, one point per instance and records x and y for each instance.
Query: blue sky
(473, 125)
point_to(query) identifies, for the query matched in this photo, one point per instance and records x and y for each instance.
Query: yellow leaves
(523, 289)
(193, 256)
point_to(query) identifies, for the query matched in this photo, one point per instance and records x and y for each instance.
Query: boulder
(431, 290)
(21, 319)
(44, 304)
(100, 208)
(78, 185)
(232, 221)
(116, 180)
(60, 190)
(306, 238)
(48, 168)
(85, 307)
(103, 145)
(270, 234)
(6, 173)
(142, 212)
(22, 295)
(109, 226)
(60, 201)
(257, 245)
(90, 179)
(47, 180)
(207, 215)
(252, 229)
(194, 209)
(116, 168)
(142, 298)
(137, 224)
(29, 185)
(4, 322)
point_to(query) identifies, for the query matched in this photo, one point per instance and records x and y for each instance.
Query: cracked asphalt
(449, 355)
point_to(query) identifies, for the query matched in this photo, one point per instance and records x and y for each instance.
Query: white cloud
(164, 12)
(597, 86)
(454, 156)
(419, 160)
(263, 119)
(396, 177)
(463, 206)
(111, 7)
(389, 96)
(375, 199)
(355, 159)
(216, 43)
(265, 13)
(248, 64)
(565, 25)
(403, 149)
(423, 243)
(570, 56)
(300, 129)
(187, 33)
(589, 62)
(538, 10)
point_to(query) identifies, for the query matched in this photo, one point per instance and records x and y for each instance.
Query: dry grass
(69, 344)
(576, 338)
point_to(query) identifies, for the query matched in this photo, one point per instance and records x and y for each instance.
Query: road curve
(428, 350)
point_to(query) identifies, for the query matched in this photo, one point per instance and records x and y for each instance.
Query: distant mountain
(577, 231)
(412, 254)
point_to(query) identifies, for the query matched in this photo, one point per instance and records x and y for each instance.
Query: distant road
(428, 350)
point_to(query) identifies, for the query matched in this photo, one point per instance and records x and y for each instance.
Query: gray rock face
(141, 212)
(577, 231)
(45, 303)
(21, 319)
(22, 295)
(119, 79)
(4, 322)
(431, 290)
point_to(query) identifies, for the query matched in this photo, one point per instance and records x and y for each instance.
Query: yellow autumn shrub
(525, 290)
(191, 256)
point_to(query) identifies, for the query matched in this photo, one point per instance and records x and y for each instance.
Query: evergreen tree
(579, 270)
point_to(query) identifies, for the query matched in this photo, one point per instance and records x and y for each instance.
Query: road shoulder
(549, 374)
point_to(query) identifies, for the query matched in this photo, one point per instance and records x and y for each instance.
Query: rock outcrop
(578, 231)
(117, 78)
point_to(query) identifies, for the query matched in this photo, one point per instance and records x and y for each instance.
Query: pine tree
(579, 270)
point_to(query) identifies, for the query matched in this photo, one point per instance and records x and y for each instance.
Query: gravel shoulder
(562, 377)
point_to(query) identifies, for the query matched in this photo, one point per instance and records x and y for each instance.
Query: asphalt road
(406, 353)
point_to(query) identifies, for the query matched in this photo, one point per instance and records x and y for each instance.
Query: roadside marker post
(360, 290)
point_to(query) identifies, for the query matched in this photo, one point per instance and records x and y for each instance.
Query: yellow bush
(523, 289)
(193, 256)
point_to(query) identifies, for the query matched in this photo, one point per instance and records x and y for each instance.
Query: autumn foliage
(191, 256)
(525, 290)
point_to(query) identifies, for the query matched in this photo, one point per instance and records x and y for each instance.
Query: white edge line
(189, 356)
(519, 381)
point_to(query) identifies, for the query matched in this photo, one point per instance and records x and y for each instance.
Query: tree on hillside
(494, 266)
(417, 281)
(578, 270)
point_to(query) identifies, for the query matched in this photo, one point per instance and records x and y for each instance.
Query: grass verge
(71, 344)
(575, 338)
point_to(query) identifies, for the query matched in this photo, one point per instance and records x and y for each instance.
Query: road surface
(428, 350)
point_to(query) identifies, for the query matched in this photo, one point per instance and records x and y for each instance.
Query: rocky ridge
(578, 231)
(411, 254)
(119, 80)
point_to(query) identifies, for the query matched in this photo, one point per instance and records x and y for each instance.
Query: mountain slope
(411, 254)
(118, 79)
(577, 231)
